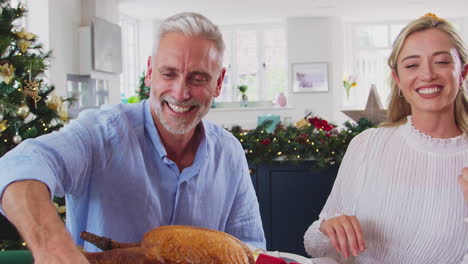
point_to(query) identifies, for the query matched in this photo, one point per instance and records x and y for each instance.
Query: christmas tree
(27, 107)
(142, 90)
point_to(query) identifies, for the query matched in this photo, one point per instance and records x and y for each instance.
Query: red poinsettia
(266, 142)
(320, 123)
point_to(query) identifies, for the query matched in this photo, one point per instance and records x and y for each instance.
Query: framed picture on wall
(310, 77)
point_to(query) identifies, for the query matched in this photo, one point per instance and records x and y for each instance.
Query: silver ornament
(1, 117)
(17, 139)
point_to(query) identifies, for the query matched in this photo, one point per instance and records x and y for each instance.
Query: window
(255, 55)
(130, 75)
(371, 44)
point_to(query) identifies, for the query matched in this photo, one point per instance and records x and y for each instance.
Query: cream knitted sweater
(402, 186)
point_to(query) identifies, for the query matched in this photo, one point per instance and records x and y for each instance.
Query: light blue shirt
(119, 183)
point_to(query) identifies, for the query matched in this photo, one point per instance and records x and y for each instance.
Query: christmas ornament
(304, 121)
(23, 111)
(31, 89)
(62, 112)
(1, 117)
(17, 139)
(24, 45)
(7, 73)
(25, 35)
(3, 126)
(374, 111)
(55, 103)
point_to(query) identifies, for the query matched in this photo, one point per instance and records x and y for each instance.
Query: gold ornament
(63, 113)
(25, 35)
(7, 73)
(24, 45)
(23, 111)
(62, 209)
(55, 103)
(32, 90)
(3, 126)
(302, 122)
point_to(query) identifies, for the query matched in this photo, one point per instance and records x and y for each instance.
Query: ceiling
(250, 11)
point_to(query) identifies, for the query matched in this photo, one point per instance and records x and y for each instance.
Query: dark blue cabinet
(291, 196)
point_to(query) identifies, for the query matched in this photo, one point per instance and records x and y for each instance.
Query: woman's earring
(399, 92)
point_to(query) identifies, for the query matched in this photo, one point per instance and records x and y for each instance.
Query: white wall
(38, 20)
(108, 10)
(64, 22)
(313, 40)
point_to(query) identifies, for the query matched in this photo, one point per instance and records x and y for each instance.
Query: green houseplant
(242, 89)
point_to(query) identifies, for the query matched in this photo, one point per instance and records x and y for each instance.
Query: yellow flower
(24, 45)
(7, 73)
(25, 35)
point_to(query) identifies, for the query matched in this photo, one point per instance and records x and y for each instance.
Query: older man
(126, 169)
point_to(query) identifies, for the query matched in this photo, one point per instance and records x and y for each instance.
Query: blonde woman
(396, 198)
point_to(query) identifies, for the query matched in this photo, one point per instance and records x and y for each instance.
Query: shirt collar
(155, 139)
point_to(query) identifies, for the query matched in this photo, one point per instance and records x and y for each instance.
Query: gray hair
(191, 24)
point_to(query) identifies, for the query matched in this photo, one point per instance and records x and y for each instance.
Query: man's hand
(344, 231)
(463, 181)
(27, 205)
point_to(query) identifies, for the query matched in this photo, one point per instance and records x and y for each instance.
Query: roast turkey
(172, 245)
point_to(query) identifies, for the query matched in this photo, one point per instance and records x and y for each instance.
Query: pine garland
(316, 140)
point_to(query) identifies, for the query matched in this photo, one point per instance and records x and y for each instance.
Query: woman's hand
(344, 231)
(463, 181)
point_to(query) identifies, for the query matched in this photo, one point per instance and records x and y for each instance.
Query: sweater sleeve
(341, 201)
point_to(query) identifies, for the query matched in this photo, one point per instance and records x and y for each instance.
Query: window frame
(232, 69)
(129, 79)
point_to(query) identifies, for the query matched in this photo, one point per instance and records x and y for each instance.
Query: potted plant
(242, 89)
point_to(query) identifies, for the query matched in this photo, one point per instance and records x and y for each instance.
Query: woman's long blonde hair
(399, 108)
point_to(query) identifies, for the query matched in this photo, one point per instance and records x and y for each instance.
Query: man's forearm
(27, 205)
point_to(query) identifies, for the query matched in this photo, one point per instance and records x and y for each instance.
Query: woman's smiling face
(429, 72)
